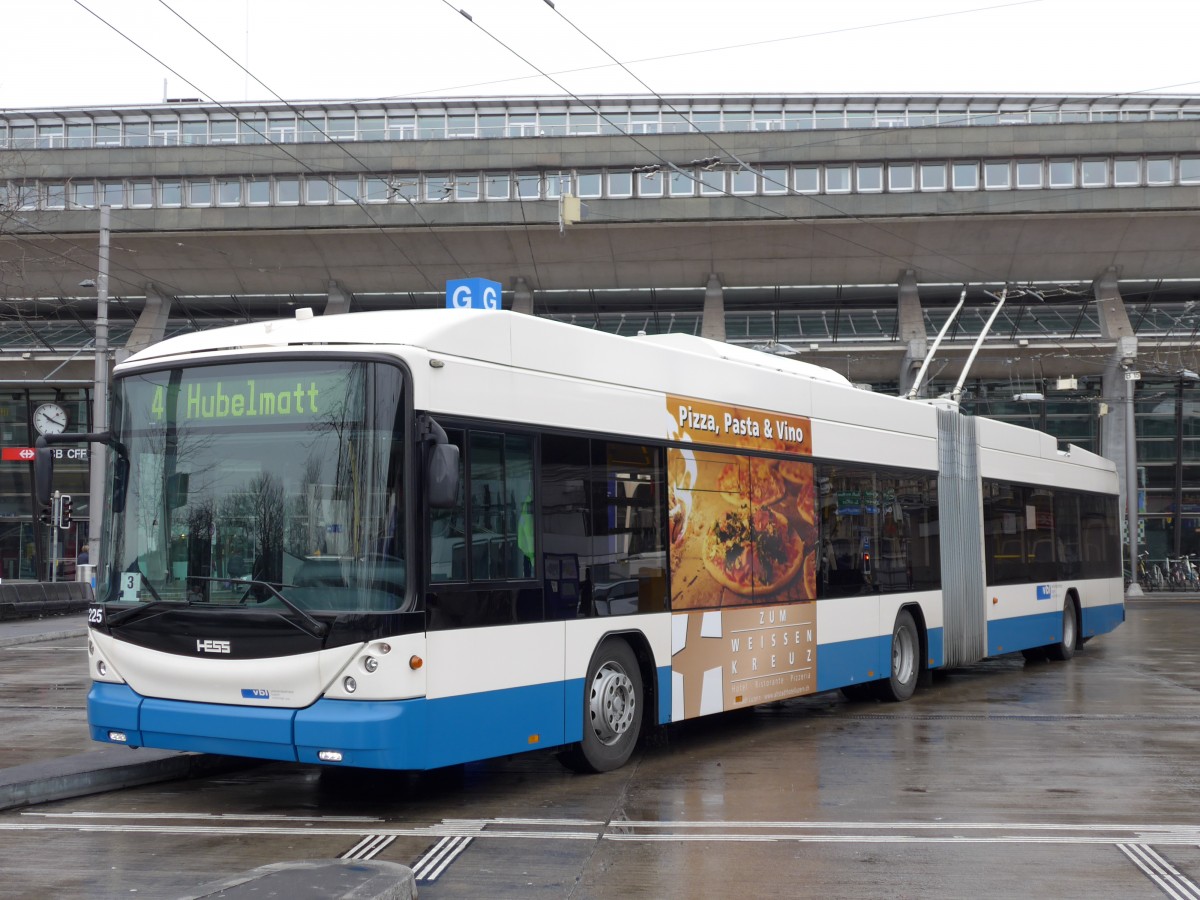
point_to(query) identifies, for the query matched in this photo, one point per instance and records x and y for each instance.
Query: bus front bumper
(369, 734)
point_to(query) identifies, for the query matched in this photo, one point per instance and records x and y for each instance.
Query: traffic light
(46, 517)
(64, 511)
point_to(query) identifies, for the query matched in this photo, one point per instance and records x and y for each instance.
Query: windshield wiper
(137, 611)
(315, 627)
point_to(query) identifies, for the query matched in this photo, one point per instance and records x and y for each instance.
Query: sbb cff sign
(27, 454)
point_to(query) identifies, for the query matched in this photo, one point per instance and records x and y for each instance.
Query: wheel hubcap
(1069, 628)
(903, 656)
(611, 704)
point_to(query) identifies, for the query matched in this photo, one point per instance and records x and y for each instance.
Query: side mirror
(442, 476)
(43, 465)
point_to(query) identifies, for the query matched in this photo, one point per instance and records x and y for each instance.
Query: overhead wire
(723, 149)
(676, 168)
(735, 157)
(281, 147)
(685, 53)
(366, 168)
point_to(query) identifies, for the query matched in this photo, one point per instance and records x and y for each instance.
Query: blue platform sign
(473, 293)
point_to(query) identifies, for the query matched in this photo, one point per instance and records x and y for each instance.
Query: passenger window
(489, 534)
(604, 527)
(502, 536)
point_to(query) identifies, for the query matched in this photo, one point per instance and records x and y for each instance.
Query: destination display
(219, 395)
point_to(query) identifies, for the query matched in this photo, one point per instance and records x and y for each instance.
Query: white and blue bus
(406, 540)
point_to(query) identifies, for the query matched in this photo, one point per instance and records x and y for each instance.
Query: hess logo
(212, 646)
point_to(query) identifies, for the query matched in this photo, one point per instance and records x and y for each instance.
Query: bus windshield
(276, 484)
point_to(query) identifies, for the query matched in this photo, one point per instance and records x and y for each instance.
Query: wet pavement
(1004, 778)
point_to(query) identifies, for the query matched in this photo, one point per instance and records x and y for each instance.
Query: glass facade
(196, 125)
(30, 549)
(312, 187)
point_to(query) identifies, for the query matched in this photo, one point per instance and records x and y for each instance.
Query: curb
(98, 771)
(15, 640)
(335, 879)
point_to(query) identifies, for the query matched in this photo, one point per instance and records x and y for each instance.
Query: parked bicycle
(1182, 573)
(1150, 575)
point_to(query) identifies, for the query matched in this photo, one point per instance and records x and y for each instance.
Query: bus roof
(673, 364)
(471, 334)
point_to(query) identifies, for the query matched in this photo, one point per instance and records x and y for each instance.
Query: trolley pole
(97, 451)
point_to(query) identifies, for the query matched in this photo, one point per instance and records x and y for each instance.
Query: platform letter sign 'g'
(472, 293)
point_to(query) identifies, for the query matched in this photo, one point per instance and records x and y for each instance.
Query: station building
(837, 229)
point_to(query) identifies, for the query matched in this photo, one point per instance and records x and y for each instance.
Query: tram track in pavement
(372, 836)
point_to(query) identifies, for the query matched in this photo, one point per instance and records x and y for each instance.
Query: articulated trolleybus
(406, 540)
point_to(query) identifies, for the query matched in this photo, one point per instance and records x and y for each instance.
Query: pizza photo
(800, 476)
(753, 554)
(760, 483)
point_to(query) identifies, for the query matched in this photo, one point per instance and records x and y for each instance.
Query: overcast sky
(58, 54)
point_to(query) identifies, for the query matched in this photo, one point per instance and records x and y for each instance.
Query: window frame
(931, 167)
(1058, 164)
(869, 169)
(1084, 165)
(971, 166)
(997, 167)
(894, 168)
(190, 184)
(1153, 162)
(1023, 167)
(842, 170)
(1118, 180)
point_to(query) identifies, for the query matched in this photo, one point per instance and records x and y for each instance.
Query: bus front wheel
(906, 660)
(1065, 648)
(612, 711)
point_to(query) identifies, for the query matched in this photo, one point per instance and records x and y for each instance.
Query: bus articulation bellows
(406, 540)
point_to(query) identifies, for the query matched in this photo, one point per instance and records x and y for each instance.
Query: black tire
(906, 660)
(1066, 648)
(613, 706)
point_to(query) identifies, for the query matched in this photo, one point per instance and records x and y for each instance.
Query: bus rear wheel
(612, 711)
(906, 661)
(1066, 648)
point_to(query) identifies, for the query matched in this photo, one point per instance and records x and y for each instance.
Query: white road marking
(936, 826)
(454, 836)
(369, 847)
(222, 817)
(1172, 882)
(623, 830)
(435, 861)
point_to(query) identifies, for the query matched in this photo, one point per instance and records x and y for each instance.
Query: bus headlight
(370, 664)
(349, 684)
(102, 668)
